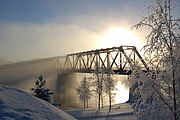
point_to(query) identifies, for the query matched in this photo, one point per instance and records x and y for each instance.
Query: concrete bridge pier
(66, 90)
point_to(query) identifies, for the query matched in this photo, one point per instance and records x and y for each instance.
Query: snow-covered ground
(18, 105)
(118, 112)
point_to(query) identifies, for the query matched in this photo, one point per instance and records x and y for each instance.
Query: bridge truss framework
(119, 60)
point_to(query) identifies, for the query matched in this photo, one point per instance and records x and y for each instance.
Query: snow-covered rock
(18, 105)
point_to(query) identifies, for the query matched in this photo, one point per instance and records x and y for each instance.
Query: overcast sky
(31, 29)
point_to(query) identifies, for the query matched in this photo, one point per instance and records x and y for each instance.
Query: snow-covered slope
(121, 111)
(18, 105)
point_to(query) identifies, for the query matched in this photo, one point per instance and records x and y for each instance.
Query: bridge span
(120, 60)
(59, 70)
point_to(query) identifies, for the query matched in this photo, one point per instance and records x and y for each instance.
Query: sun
(122, 93)
(117, 36)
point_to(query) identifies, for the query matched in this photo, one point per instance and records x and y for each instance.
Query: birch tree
(160, 91)
(110, 87)
(99, 84)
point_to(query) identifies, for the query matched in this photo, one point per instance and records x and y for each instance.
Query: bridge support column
(66, 90)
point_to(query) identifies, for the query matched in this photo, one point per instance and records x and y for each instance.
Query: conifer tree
(40, 90)
(84, 92)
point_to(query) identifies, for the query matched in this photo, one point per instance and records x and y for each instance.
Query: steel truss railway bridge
(120, 60)
(59, 71)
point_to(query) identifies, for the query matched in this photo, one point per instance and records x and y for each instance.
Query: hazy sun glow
(122, 93)
(116, 36)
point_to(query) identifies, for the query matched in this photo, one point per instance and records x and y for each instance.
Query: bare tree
(99, 83)
(110, 83)
(103, 84)
(163, 55)
(102, 89)
(110, 86)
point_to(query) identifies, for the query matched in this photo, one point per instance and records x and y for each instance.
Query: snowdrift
(15, 104)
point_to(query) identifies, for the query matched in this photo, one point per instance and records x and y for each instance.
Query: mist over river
(63, 85)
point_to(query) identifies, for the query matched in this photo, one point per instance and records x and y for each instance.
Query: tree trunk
(101, 91)
(87, 104)
(102, 101)
(109, 98)
(84, 104)
(99, 94)
(174, 85)
(174, 92)
(109, 73)
(99, 101)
